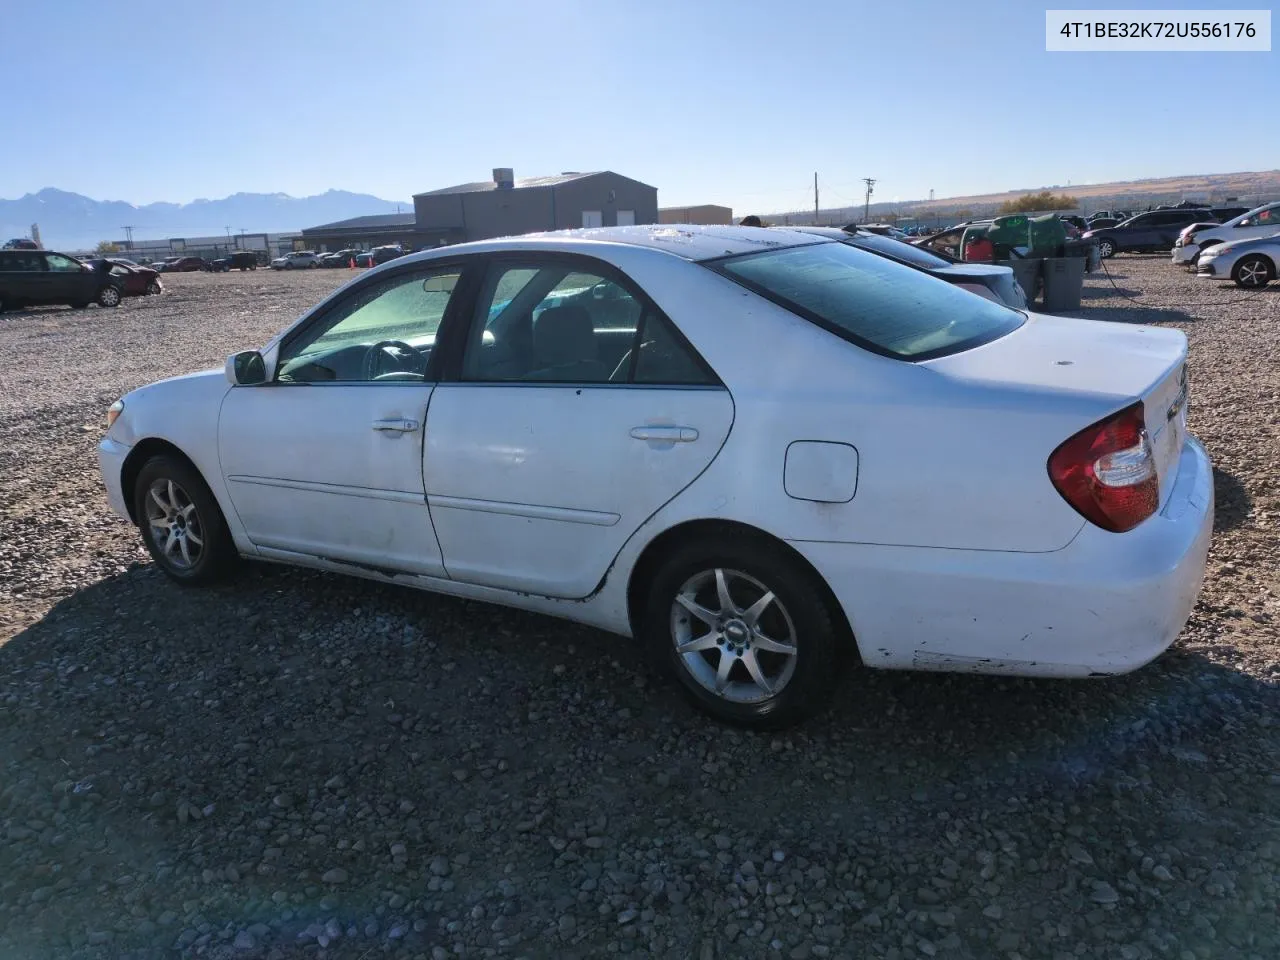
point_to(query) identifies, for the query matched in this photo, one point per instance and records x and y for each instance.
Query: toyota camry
(769, 456)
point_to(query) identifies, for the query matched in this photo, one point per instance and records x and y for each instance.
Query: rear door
(574, 412)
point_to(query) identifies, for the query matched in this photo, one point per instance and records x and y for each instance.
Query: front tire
(182, 526)
(1106, 248)
(1253, 272)
(745, 629)
(108, 296)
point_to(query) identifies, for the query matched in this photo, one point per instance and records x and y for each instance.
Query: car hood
(1248, 243)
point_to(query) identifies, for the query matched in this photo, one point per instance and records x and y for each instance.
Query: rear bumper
(111, 457)
(1105, 604)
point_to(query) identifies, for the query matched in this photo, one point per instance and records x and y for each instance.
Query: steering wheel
(373, 360)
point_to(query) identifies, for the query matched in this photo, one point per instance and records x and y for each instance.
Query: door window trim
(580, 263)
(463, 295)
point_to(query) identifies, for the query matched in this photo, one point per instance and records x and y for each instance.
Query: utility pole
(815, 197)
(931, 194)
(128, 232)
(866, 209)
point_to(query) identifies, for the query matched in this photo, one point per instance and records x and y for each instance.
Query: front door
(576, 413)
(67, 280)
(326, 460)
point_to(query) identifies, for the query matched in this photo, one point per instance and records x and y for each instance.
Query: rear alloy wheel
(108, 296)
(1253, 271)
(1106, 249)
(745, 631)
(181, 524)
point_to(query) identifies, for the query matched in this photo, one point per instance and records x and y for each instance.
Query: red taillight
(1107, 471)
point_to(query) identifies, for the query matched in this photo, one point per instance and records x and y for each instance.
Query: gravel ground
(302, 765)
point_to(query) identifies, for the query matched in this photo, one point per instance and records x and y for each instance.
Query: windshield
(898, 250)
(886, 307)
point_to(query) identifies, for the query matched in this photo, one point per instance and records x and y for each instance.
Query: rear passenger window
(555, 323)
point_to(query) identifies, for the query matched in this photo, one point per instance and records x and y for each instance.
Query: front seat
(564, 342)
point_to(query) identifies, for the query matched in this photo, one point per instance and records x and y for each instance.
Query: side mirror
(247, 368)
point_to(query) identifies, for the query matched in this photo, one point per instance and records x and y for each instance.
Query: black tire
(154, 289)
(108, 296)
(1107, 248)
(801, 604)
(1253, 272)
(217, 556)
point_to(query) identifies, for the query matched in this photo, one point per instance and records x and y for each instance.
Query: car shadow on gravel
(181, 733)
(1232, 503)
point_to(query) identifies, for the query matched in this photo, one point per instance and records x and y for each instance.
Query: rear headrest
(563, 335)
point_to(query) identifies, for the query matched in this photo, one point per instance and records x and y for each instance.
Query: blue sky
(711, 101)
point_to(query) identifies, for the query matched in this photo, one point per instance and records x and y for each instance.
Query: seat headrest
(563, 335)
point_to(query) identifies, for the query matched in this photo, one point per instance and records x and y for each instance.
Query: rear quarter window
(885, 307)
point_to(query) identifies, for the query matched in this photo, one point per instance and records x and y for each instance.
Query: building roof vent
(504, 177)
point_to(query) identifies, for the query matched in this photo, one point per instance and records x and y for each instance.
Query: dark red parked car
(186, 265)
(138, 281)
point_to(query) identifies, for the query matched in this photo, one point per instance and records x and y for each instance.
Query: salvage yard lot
(303, 765)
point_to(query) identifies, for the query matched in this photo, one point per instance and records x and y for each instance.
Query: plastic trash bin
(1063, 283)
(1027, 273)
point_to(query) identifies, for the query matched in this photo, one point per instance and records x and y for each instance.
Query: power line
(866, 209)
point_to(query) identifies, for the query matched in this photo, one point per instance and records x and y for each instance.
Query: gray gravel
(301, 765)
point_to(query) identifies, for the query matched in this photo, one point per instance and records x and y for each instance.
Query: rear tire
(182, 526)
(1253, 272)
(1106, 249)
(750, 661)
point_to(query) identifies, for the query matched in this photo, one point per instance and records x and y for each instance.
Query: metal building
(708, 213)
(504, 206)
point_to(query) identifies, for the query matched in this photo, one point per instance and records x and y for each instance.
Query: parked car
(387, 253)
(364, 258)
(1077, 226)
(1250, 263)
(298, 260)
(40, 277)
(185, 264)
(243, 260)
(986, 280)
(1263, 221)
(339, 258)
(1115, 215)
(20, 243)
(136, 281)
(1097, 223)
(1223, 214)
(1151, 232)
(785, 503)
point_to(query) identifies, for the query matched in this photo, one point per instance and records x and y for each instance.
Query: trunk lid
(1100, 366)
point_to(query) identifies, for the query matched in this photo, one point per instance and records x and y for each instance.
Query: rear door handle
(396, 425)
(665, 434)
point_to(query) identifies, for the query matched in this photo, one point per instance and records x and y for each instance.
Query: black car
(339, 258)
(39, 277)
(1153, 232)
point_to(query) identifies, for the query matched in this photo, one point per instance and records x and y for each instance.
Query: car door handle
(665, 434)
(396, 425)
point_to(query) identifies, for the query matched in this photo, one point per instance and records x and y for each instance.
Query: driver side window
(384, 332)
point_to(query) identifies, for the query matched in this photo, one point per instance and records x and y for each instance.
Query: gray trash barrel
(1027, 273)
(1063, 283)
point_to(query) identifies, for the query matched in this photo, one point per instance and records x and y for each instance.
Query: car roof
(687, 241)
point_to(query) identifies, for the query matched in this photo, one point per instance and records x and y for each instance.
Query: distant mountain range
(70, 221)
(1248, 189)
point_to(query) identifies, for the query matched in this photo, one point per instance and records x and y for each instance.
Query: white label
(1166, 31)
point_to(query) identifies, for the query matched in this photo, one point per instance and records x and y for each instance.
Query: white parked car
(763, 453)
(1250, 263)
(1262, 221)
(296, 261)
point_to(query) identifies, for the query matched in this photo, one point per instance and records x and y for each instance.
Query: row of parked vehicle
(310, 259)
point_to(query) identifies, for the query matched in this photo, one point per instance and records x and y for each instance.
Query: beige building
(703, 213)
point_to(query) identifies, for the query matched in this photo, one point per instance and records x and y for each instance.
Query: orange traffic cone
(351, 265)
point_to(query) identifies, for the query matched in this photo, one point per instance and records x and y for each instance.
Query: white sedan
(763, 453)
(297, 260)
(1250, 263)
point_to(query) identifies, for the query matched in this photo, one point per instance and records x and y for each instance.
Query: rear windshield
(909, 253)
(883, 306)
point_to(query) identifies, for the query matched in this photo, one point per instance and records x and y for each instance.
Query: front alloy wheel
(1252, 272)
(1106, 249)
(175, 524)
(109, 297)
(733, 635)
